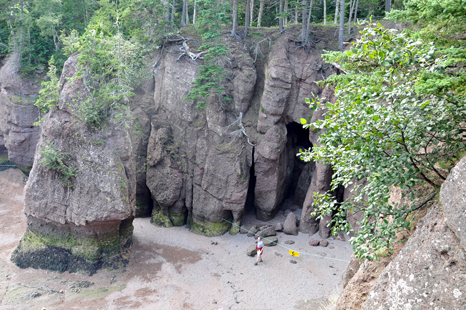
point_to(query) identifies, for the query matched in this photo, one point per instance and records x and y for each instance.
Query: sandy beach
(172, 268)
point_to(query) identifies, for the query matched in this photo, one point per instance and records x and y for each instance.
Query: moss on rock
(178, 219)
(67, 251)
(234, 230)
(159, 219)
(210, 229)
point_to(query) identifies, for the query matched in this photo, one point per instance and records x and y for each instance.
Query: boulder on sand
(270, 241)
(290, 226)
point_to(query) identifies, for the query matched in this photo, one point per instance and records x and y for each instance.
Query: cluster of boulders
(268, 232)
(315, 242)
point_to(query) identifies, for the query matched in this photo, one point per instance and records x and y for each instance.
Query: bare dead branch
(338, 66)
(187, 51)
(241, 130)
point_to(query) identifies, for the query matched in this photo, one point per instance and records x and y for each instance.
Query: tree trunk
(86, 14)
(29, 40)
(251, 14)
(325, 11)
(172, 19)
(280, 18)
(308, 24)
(55, 39)
(303, 19)
(341, 36)
(235, 18)
(285, 9)
(296, 15)
(247, 17)
(183, 14)
(355, 16)
(187, 12)
(337, 6)
(195, 11)
(166, 8)
(388, 5)
(261, 9)
(21, 34)
(351, 7)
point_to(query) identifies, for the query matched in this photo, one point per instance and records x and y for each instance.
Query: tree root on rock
(187, 51)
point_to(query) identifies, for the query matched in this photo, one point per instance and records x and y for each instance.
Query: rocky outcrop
(197, 171)
(194, 166)
(142, 107)
(453, 200)
(270, 163)
(350, 271)
(320, 183)
(429, 270)
(289, 80)
(358, 281)
(18, 114)
(84, 223)
(290, 227)
(428, 273)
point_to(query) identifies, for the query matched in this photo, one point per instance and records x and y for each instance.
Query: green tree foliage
(212, 15)
(109, 64)
(37, 30)
(49, 17)
(48, 95)
(4, 27)
(210, 76)
(54, 159)
(211, 73)
(396, 122)
(440, 21)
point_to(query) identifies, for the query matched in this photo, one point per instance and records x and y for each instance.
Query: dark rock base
(58, 259)
(67, 251)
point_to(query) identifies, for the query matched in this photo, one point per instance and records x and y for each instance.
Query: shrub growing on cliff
(53, 159)
(211, 73)
(48, 95)
(109, 64)
(396, 120)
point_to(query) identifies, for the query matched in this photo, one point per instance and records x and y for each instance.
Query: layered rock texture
(18, 114)
(197, 171)
(206, 166)
(84, 223)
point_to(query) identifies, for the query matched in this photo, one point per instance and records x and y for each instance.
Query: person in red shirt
(259, 249)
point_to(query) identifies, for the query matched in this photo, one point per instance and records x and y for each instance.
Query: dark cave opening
(300, 172)
(249, 205)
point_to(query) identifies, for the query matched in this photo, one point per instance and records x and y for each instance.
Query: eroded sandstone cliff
(18, 114)
(201, 167)
(177, 163)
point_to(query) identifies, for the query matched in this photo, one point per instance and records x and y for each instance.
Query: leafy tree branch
(389, 126)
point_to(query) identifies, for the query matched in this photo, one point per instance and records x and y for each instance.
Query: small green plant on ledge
(53, 159)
